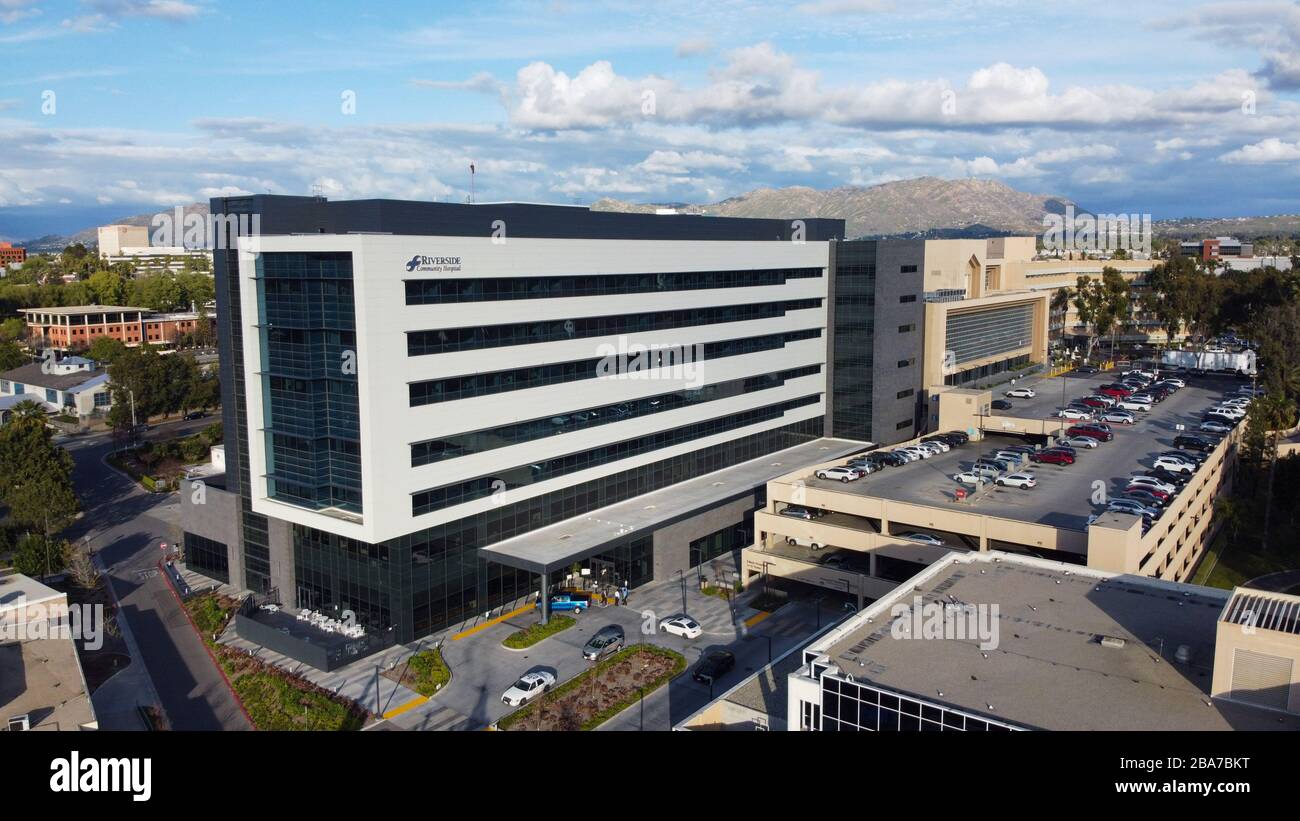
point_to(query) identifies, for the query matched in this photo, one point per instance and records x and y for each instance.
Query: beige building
(871, 525)
(114, 239)
(996, 641)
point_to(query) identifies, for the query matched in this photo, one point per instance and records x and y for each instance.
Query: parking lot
(1064, 496)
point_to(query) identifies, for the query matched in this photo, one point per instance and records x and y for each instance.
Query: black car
(714, 666)
(1087, 369)
(961, 437)
(1144, 497)
(1001, 404)
(195, 415)
(1185, 441)
(895, 460)
(1168, 477)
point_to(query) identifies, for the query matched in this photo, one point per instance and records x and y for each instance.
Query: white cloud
(677, 162)
(694, 47)
(1270, 150)
(11, 11)
(174, 10)
(844, 7)
(1271, 27)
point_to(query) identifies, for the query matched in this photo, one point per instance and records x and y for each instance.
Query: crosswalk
(436, 718)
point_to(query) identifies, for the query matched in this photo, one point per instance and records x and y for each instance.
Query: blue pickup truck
(566, 602)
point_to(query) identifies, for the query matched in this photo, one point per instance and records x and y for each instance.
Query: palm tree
(28, 409)
(1278, 413)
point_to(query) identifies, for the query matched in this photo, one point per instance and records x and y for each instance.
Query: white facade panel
(389, 425)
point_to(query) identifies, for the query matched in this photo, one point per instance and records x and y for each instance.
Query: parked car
(1085, 442)
(920, 452)
(1119, 417)
(1174, 465)
(607, 641)
(713, 666)
(1012, 456)
(895, 459)
(1175, 381)
(1150, 498)
(1195, 458)
(1186, 441)
(1020, 480)
(800, 512)
(960, 437)
(940, 440)
(803, 541)
(1151, 481)
(684, 626)
(1086, 369)
(1100, 434)
(1073, 414)
(1215, 426)
(924, 538)
(1020, 393)
(1097, 401)
(1161, 475)
(1118, 391)
(1001, 404)
(1227, 410)
(1132, 506)
(1132, 404)
(528, 687)
(566, 603)
(1053, 457)
(968, 477)
(843, 474)
(863, 466)
(195, 415)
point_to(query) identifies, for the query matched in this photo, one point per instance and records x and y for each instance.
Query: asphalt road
(125, 526)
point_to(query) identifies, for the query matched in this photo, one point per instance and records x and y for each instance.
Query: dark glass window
(443, 291)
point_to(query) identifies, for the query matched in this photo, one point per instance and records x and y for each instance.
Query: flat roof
(17, 590)
(31, 374)
(1049, 669)
(554, 546)
(1063, 496)
(82, 309)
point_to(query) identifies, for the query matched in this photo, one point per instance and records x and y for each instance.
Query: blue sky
(114, 107)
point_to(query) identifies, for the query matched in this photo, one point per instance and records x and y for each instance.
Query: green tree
(106, 349)
(38, 555)
(107, 288)
(11, 356)
(35, 476)
(12, 330)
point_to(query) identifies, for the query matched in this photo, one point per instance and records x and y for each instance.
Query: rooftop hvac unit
(1112, 641)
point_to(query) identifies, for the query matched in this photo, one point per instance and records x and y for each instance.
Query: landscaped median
(596, 695)
(426, 673)
(522, 639)
(273, 698)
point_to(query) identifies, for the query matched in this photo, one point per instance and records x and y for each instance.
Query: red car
(1094, 403)
(1095, 433)
(1052, 457)
(1156, 492)
(1118, 393)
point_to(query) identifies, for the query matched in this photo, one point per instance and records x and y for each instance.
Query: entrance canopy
(572, 540)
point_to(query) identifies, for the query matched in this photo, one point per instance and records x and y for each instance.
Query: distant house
(73, 385)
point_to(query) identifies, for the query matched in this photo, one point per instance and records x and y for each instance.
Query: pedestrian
(618, 596)
(624, 592)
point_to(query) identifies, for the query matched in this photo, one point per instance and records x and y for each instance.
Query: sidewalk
(117, 701)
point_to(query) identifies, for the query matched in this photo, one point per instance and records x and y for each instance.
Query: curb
(206, 648)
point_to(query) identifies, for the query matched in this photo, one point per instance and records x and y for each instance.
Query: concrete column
(544, 604)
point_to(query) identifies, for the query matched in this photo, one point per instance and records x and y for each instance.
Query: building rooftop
(1050, 668)
(32, 374)
(557, 545)
(82, 309)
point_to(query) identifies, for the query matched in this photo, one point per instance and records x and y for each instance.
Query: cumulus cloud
(1270, 150)
(1271, 27)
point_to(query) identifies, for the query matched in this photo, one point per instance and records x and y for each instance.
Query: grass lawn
(535, 633)
(1228, 565)
(274, 698)
(601, 692)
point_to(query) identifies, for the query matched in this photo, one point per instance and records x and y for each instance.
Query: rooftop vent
(1112, 641)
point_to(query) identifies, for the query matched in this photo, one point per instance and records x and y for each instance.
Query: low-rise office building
(11, 254)
(75, 327)
(72, 385)
(130, 244)
(1002, 642)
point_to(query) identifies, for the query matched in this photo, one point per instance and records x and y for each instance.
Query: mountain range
(924, 207)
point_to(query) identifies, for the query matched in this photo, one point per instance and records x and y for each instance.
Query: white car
(1082, 442)
(1242, 402)
(922, 453)
(1173, 380)
(1072, 413)
(1130, 405)
(924, 538)
(1227, 410)
(1121, 417)
(1174, 465)
(1020, 393)
(843, 474)
(528, 687)
(1021, 480)
(1151, 481)
(1215, 426)
(968, 478)
(684, 626)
